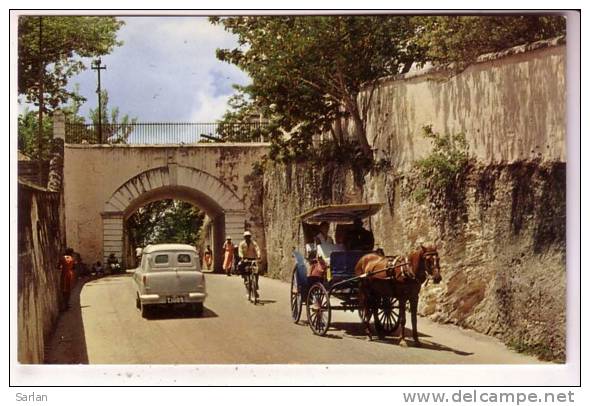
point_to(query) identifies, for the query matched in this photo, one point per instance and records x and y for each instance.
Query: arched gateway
(105, 184)
(199, 188)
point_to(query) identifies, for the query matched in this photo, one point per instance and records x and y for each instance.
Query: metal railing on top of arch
(163, 133)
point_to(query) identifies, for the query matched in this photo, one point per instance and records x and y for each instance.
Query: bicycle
(251, 279)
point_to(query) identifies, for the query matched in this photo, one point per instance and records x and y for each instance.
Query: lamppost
(96, 66)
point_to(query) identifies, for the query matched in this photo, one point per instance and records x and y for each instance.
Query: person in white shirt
(323, 237)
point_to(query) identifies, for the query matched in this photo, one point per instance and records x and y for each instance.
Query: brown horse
(383, 277)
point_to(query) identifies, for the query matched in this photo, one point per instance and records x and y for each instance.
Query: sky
(166, 71)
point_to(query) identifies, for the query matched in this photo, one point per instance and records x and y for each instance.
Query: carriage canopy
(340, 213)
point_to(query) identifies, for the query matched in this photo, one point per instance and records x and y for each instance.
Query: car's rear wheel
(137, 302)
(146, 311)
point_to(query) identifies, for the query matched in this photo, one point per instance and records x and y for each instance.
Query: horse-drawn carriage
(314, 289)
(324, 277)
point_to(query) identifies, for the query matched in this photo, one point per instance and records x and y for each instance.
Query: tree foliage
(308, 71)
(448, 158)
(28, 133)
(49, 52)
(165, 221)
(461, 39)
(241, 123)
(116, 130)
(28, 126)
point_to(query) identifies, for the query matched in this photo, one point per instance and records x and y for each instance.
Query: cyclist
(248, 250)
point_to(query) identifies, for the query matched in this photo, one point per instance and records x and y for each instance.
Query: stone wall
(511, 106)
(500, 229)
(40, 242)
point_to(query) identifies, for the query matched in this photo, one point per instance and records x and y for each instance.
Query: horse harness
(393, 263)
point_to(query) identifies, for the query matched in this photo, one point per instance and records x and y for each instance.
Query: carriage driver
(360, 238)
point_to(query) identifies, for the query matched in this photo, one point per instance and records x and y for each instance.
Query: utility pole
(96, 66)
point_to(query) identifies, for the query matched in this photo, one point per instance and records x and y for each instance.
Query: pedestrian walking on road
(208, 257)
(228, 256)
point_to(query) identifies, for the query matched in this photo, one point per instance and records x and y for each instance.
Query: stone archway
(173, 181)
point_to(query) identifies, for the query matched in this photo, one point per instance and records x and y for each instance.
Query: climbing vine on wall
(442, 178)
(448, 158)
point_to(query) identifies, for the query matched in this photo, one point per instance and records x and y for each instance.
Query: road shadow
(327, 335)
(93, 280)
(430, 345)
(123, 274)
(67, 344)
(357, 331)
(167, 313)
(263, 302)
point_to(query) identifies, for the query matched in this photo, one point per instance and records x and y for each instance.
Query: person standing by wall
(228, 256)
(68, 277)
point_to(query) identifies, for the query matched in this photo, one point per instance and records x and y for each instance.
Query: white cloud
(209, 109)
(167, 70)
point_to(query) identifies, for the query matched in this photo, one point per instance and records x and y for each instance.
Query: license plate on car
(174, 299)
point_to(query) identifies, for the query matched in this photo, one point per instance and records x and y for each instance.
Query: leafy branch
(447, 160)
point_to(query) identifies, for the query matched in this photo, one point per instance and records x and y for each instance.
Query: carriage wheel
(296, 297)
(388, 314)
(318, 309)
(362, 315)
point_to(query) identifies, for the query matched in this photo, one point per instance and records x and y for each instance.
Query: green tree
(461, 39)
(241, 122)
(165, 221)
(28, 127)
(49, 52)
(116, 130)
(28, 133)
(308, 71)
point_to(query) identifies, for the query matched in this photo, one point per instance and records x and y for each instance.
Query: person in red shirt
(228, 256)
(68, 277)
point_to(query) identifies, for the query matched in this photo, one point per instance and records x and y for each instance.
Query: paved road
(104, 327)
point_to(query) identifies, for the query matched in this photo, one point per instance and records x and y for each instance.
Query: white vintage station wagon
(169, 274)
